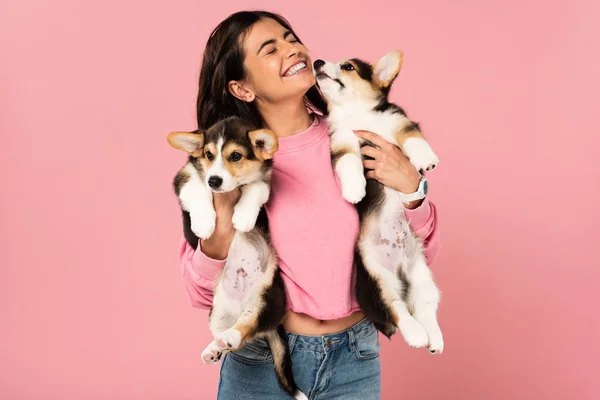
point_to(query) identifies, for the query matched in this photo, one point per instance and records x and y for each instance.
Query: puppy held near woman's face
(249, 296)
(394, 287)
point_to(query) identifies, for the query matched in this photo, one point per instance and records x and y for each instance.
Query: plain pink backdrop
(91, 300)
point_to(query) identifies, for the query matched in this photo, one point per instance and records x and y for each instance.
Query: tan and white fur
(249, 297)
(395, 287)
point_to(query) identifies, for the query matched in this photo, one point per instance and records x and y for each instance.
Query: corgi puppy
(249, 296)
(394, 285)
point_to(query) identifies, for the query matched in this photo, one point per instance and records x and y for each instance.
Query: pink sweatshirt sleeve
(199, 273)
(423, 221)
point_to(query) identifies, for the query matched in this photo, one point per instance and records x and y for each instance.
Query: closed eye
(290, 35)
(274, 50)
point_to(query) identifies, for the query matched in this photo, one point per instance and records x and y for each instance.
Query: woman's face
(278, 66)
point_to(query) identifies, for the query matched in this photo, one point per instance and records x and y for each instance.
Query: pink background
(91, 301)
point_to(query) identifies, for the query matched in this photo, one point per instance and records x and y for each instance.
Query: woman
(247, 71)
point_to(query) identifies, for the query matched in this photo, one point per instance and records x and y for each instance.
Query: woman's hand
(390, 166)
(217, 246)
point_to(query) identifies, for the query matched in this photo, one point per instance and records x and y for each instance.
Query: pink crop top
(313, 230)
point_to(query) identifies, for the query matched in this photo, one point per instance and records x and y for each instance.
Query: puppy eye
(235, 156)
(209, 155)
(347, 67)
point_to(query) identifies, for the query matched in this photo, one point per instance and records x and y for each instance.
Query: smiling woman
(276, 64)
(245, 64)
(256, 67)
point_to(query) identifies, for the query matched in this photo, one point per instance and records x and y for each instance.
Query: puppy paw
(231, 339)
(211, 354)
(436, 342)
(204, 226)
(354, 190)
(413, 332)
(421, 155)
(244, 218)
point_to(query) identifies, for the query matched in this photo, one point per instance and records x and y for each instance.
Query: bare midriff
(303, 324)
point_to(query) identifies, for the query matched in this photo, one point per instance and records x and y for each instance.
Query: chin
(298, 90)
(308, 82)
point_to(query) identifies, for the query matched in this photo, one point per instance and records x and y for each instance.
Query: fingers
(370, 164)
(227, 198)
(370, 151)
(373, 138)
(371, 175)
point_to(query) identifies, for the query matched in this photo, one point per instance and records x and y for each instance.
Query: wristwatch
(421, 192)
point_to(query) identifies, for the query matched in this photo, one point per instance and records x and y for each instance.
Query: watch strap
(419, 194)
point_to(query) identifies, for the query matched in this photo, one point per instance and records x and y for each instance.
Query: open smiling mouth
(295, 69)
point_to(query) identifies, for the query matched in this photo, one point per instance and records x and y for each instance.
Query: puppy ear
(190, 142)
(264, 143)
(387, 68)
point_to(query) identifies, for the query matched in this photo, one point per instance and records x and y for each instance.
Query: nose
(292, 49)
(318, 64)
(215, 182)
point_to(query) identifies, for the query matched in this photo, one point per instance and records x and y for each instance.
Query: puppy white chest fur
(359, 116)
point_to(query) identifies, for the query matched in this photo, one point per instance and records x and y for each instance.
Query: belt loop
(351, 339)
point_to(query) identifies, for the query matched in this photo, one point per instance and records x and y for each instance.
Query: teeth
(295, 69)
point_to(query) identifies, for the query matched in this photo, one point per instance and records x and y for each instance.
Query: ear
(387, 68)
(190, 142)
(264, 142)
(240, 91)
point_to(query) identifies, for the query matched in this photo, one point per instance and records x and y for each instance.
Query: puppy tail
(283, 362)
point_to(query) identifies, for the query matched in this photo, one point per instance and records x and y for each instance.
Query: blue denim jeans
(343, 365)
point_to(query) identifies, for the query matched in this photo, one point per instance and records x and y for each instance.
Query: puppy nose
(318, 64)
(215, 182)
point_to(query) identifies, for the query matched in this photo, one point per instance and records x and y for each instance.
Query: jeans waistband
(331, 341)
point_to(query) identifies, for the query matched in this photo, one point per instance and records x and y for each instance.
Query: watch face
(425, 187)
